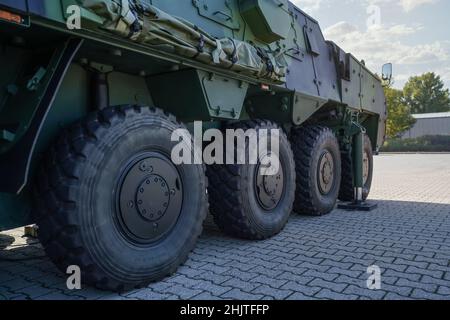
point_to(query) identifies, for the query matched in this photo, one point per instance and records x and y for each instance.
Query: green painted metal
(271, 105)
(269, 20)
(323, 84)
(7, 136)
(87, 17)
(18, 109)
(221, 12)
(358, 151)
(212, 95)
(15, 210)
(305, 106)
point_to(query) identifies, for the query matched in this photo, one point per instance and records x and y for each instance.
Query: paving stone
(246, 286)
(338, 287)
(35, 291)
(277, 294)
(364, 292)
(237, 294)
(297, 296)
(16, 284)
(183, 292)
(425, 295)
(429, 287)
(313, 258)
(328, 294)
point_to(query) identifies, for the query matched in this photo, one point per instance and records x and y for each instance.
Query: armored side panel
(269, 20)
(214, 60)
(219, 18)
(214, 96)
(20, 5)
(351, 83)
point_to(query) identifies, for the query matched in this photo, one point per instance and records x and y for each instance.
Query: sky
(414, 35)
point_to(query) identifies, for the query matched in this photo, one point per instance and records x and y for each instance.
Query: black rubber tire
(75, 200)
(308, 144)
(347, 190)
(233, 201)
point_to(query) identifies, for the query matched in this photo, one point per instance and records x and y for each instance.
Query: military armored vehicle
(92, 90)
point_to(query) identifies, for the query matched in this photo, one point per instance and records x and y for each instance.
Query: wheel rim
(366, 167)
(149, 198)
(326, 172)
(269, 188)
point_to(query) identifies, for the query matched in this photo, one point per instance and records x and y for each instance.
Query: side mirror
(387, 72)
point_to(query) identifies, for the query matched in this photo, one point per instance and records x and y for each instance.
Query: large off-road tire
(347, 190)
(246, 204)
(110, 201)
(318, 165)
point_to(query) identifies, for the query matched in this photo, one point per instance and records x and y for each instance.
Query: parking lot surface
(407, 237)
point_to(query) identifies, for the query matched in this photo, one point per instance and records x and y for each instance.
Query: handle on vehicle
(279, 3)
(226, 15)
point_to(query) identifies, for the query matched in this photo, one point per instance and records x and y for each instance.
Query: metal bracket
(362, 206)
(6, 135)
(358, 203)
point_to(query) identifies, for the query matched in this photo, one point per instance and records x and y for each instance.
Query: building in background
(429, 124)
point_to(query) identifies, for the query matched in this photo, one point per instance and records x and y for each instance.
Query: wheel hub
(149, 197)
(153, 198)
(269, 188)
(326, 172)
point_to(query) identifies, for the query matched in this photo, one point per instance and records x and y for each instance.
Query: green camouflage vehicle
(91, 92)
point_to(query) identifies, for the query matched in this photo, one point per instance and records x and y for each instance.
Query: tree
(426, 94)
(399, 115)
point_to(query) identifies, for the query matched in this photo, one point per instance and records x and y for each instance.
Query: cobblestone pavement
(408, 237)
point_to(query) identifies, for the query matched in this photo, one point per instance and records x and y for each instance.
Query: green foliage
(399, 115)
(426, 94)
(422, 144)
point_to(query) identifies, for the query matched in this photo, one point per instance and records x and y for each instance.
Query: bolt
(130, 204)
(155, 225)
(144, 166)
(172, 192)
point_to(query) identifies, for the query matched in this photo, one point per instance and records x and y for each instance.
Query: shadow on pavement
(407, 228)
(5, 241)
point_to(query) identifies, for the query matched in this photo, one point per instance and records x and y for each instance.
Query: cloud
(409, 5)
(395, 38)
(308, 5)
(380, 44)
(444, 73)
(406, 5)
